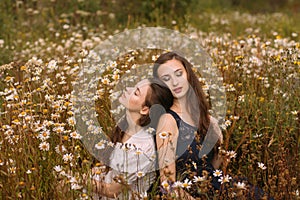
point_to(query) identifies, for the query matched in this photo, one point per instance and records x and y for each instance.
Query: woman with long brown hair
(186, 124)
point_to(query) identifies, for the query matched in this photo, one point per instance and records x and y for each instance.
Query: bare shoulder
(167, 123)
(167, 117)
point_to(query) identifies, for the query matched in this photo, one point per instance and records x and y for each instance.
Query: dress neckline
(175, 115)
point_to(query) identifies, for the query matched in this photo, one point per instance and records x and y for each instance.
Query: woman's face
(133, 98)
(174, 75)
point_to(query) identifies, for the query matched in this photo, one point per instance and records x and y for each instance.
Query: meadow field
(43, 45)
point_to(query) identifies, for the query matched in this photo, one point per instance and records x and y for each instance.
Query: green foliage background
(22, 21)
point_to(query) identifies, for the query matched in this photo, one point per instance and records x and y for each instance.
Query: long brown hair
(195, 92)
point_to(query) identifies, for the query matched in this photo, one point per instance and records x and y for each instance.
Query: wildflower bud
(21, 183)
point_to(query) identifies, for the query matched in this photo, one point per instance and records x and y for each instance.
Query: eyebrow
(168, 74)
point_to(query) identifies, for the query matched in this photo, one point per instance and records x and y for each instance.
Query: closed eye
(165, 78)
(137, 92)
(178, 73)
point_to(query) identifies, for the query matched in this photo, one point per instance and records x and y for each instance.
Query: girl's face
(174, 75)
(133, 98)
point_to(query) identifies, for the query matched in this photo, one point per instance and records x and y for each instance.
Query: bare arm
(111, 190)
(166, 147)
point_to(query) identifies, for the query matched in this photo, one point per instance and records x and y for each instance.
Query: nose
(174, 81)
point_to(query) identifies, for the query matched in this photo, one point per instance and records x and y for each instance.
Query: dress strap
(176, 117)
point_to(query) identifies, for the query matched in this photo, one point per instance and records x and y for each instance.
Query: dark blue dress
(188, 162)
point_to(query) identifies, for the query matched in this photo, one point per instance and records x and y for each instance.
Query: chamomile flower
(295, 112)
(116, 77)
(165, 185)
(138, 152)
(22, 114)
(68, 157)
(75, 135)
(177, 184)
(224, 179)
(111, 144)
(163, 135)
(75, 186)
(57, 168)
(105, 81)
(199, 179)
(223, 126)
(150, 130)
(217, 173)
(44, 135)
(44, 146)
(16, 121)
(71, 121)
(241, 98)
(140, 174)
(52, 65)
(59, 129)
(257, 135)
(241, 185)
(261, 165)
(100, 145)
(231, 154)
(186, 184)
(227, 123)
(194, 164)
(12, 170)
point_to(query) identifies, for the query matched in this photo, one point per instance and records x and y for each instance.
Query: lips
(177, 90)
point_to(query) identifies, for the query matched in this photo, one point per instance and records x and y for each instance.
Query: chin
(122, 101)
(178, 96)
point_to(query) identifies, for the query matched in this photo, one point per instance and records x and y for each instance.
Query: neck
(179, 105)
(132, 119)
